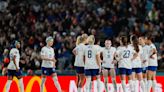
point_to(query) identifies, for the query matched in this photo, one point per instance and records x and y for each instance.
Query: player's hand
(114, 62)
(54, 60)
(100, 70)
(144, 61)
(17, 70)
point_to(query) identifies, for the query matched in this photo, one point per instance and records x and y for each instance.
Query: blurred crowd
(31, 21)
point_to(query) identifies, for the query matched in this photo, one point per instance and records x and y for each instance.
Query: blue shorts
(144, 69)
(137, 70)
(14, 73)
(125, 71)
(91, 72)
(152, 68)
(48, 71)
(79, 70)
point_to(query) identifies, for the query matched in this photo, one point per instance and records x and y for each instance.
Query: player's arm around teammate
(48, 64)
(13, 67)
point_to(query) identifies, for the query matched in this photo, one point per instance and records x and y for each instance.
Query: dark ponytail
(135, 43)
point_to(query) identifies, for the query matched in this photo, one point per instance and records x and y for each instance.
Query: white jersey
(152, 62)
(90, 57)
(145, 55)
(79, 58)
(48, 52)
(125, 54)
(108, 57)
(137, 62)
(14, 52)
(100, 49)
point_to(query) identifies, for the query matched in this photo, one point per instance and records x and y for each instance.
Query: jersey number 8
(89, 54)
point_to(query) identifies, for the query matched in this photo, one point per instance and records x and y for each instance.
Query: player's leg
(130, 81)
(55, 79)
(140, 79)
(113, 78)
(43, 78)
(9, 80)
(88, 80)
(21, 84)
(149, 77)
(134, 80)
(123, 78)
(144, 72)
(81, 78)
(81, 82)
(96, 72)
(154, 79)
(105, 74)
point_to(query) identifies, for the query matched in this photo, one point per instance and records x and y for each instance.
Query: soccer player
(124, 56)
(13, 67)
(48, 64)
(92, 63)
(144, 58)
(78, 51)
(152, 64)
(136, 64)
(108, 54)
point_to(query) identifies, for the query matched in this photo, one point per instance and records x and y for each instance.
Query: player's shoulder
(119, 47)
(14, 50)
(152, 45)
(113, 48)
(103, 48)
(44, 47)
(81, 45)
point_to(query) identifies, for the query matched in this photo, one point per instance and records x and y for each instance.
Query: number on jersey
(126, 54)
(89, 54)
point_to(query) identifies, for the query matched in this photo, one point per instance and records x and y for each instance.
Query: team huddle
(136, 59)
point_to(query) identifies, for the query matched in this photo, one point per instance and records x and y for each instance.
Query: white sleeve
(13, 53)
(42, 52)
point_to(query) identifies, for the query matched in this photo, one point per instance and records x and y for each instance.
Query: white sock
(79, 89)
(98, 84)
(88, 83)
(106, 84)
(135, 85)
(21, 85)
(145, 80)
(131, 84)
(55, 79)
(42, 84)
(8, 85)
(153, 85)
(142, 86)
(149, 85)
(114, 84)
(124, 85)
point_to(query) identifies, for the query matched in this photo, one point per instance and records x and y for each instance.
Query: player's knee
(55, 78)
